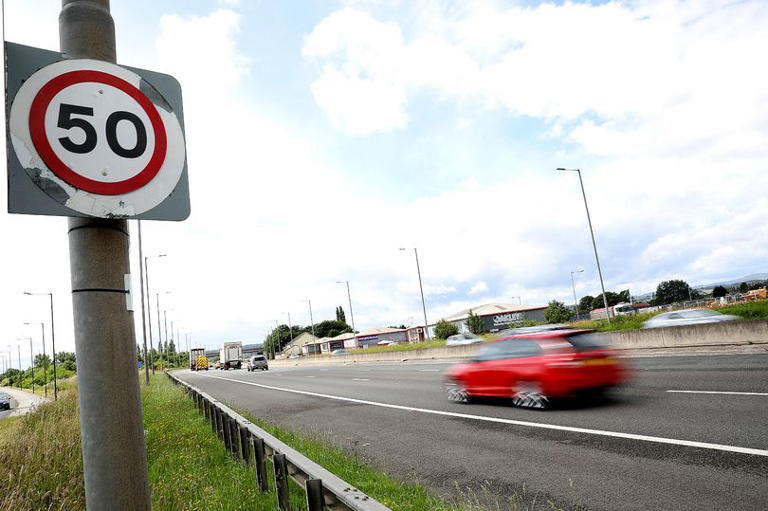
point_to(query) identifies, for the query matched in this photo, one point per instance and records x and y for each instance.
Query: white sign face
(100, 134)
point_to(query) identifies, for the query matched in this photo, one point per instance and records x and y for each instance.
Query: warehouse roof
(491, 309)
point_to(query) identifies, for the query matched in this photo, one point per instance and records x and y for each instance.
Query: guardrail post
(227, 431)
(214, 423)
(259, 458)
(245, 452)
(220, 425)
(281, 482)
(206, 410)
(315, 499)
(234, 435)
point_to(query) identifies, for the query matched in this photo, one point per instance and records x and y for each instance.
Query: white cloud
(480, 287)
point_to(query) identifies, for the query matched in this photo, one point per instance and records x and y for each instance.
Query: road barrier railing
(253, 446)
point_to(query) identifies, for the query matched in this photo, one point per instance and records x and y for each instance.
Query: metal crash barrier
(253, 446)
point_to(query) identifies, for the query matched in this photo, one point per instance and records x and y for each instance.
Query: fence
(253, 446)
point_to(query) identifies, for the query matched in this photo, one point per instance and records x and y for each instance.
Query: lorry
(197, 359)
(231, 355)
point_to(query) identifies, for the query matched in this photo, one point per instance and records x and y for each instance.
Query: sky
(322, 136)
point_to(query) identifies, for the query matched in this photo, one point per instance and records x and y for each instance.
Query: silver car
(462, 339)
(688, 317)
(257, 362)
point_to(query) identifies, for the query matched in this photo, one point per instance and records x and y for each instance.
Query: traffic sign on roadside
(90, 138)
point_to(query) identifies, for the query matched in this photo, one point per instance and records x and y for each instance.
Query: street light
(311, 320)
(594, 245)
(159, 330)
(149, 309)
(349, 297)
(53, 343)
(290, 328)
(45, 358)
(421, 289)
(31, 359)
(573, 286)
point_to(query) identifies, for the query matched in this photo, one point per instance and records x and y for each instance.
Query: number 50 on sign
(98, 139)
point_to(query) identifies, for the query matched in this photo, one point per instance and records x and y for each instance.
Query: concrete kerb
(744, 336)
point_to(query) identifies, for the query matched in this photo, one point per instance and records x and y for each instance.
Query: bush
(751, 310)
(475, 324)
(557, 312)
(444, 329)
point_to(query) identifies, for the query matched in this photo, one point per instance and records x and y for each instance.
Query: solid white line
(719, 392)
(630, 436)
(360, 379)
(429, 370)
(309, 377)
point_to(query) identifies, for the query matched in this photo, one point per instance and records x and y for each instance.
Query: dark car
(5, 401)
(531, 369)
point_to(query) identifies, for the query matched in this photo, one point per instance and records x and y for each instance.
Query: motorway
(22, 402)
(691, 432)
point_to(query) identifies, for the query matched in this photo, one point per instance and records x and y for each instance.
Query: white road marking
(429, 370)
(308, 376)
(719, 392)
(615, 434)
(360, 379)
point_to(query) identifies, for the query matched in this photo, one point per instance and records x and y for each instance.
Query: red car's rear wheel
(528, 394)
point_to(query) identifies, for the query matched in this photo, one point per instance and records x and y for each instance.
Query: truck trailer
(231, 355)
(197, 359)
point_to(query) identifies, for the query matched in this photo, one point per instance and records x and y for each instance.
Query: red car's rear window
(586, 342)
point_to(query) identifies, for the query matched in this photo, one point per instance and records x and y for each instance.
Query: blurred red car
(533, 368)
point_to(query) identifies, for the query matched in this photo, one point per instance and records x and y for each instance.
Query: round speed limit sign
(97, 137)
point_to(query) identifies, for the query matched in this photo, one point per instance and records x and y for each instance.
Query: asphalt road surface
(21, 402)
(691, 432)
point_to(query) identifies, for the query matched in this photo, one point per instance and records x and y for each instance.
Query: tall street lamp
(53, 342)
(573, 286)
(45, 358)
(349, 297)
(594, 245)
(31, 359)
(149, 309)
(421, 289)
(290, 328)
(311, 319)
(159, 329)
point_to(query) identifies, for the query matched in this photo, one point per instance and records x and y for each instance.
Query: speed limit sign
(99, 139)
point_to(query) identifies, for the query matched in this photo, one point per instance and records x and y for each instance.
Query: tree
(557, 312)
(42, 360)
(340, 315)
(171, 347)
(474, 323)
(444, 329)
(719, 291)
(624, 297)
(671, 291)
(743, 287)
(585, 304)
(329, 328)
(611, 297)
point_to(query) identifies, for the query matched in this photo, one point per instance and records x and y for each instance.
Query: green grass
(188, 465)
(752, 310)
(633, 322)
(349, 467)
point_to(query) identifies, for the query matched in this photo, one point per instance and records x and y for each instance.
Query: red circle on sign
(40, 139)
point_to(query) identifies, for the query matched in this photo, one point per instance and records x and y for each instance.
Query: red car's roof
(547, 334)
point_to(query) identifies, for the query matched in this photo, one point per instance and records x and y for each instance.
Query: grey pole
(423, 304)
(594, 245)
(143, 315)
(167, 344)
(45, 361)
(159, 331)
(290, 328)
(311, 319)
(575, 301)
(149, 316)
(112, 430)
(53, 346)
(349, 297)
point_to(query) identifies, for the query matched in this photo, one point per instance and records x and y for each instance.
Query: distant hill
(754, 277)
